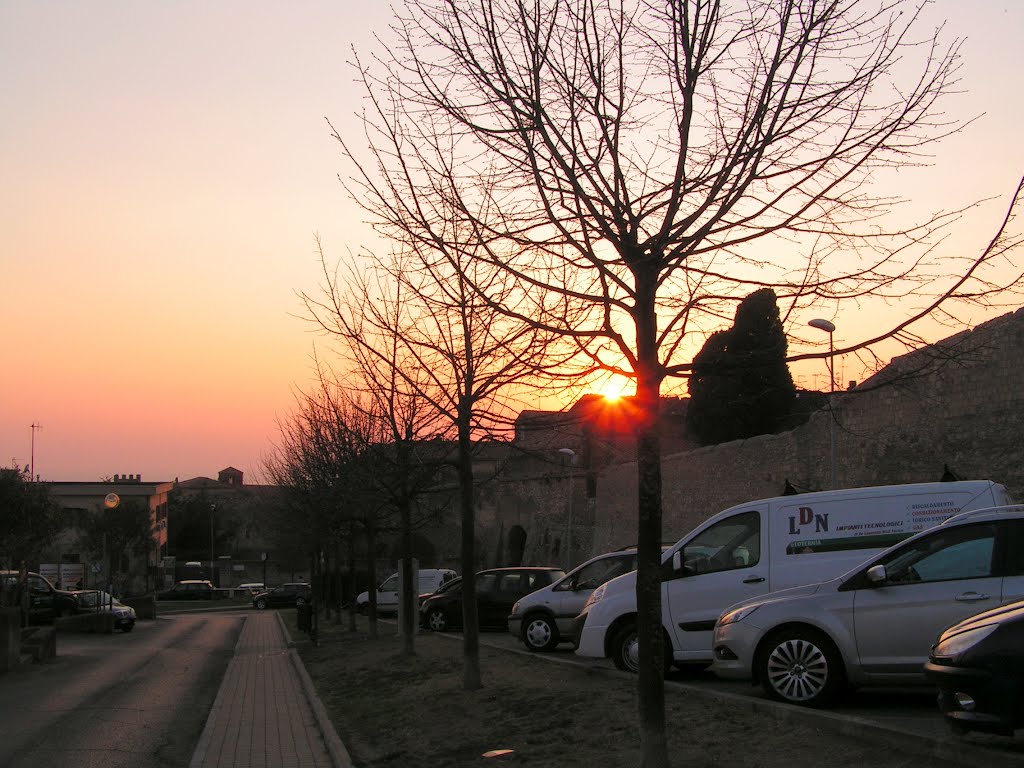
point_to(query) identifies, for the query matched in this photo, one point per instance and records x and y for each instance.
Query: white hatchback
(545, 618)
(876, 624)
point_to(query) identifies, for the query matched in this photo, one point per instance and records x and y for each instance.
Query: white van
(430, 580)
(764, 546)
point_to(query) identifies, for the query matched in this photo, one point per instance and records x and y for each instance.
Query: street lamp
(571, 455)
(829, 328)
(213, 508)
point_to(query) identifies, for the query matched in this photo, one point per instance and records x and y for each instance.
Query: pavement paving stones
(267, 713)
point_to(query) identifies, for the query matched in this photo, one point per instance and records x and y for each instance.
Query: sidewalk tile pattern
(261, 717)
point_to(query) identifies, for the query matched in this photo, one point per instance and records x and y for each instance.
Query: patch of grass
(393, 711)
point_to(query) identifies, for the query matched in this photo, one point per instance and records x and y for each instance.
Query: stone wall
(957, 405)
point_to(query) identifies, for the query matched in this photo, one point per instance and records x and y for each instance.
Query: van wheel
(626, 649)
(801, 666)
(437, 621)
(540, 633)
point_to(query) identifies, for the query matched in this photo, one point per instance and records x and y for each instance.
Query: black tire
(437, 621)
(65, 613)
(801, 666)
(300, 601)
(540, 633)
(261, 603)
(626, 649)
(128, 628)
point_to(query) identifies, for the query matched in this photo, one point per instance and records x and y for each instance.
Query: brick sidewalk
(266, 714)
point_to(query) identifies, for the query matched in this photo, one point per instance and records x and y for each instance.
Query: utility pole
(32, 456)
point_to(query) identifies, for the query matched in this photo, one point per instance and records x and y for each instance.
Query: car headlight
(731, 617)
(595, 597)
(963, 641)
(515, 608)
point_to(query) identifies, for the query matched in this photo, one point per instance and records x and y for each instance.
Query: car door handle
(971, 597)
(753, 579)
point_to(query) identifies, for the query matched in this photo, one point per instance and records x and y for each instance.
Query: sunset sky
(166, 168)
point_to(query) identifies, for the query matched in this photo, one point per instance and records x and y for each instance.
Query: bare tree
(650, 164)
(420, 333)
(322, 462)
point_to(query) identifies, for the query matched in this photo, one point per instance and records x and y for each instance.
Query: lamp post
(829, 328)
(213, 508)
(571, 455)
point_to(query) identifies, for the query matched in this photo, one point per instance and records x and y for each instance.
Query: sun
(613, 389)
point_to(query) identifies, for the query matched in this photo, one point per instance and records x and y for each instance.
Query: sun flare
(613, 389)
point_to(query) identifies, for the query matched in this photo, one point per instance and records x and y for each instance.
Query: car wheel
(801, 666)
(437, 621)
(127, 627)
(626, 649)
(261, 603)
(540, 633)
(300, 601)
(65, 612)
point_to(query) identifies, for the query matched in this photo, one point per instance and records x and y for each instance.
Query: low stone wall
(10, 638)
(145, 606)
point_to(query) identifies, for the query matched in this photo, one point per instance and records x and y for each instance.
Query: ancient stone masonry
(957, 405)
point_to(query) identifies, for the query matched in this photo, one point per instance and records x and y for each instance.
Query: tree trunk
(410, 579)
(654, 747)
(471, 677)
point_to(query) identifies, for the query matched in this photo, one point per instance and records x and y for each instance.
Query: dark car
(191, 589)
(97, 601)
(978, 665)
(283, 596)
(497, 590)
(45, 602)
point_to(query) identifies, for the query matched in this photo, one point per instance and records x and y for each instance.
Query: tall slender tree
(741, 385)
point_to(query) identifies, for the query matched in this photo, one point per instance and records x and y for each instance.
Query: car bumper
(515, 626)
(733, 647)
(977, 699)
(589, 633)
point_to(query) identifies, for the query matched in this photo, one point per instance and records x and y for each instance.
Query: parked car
(876, 624)
(94, 601)
(758, 547)
(283, 596)
(978, 666)
(544, 618)
(497, 590)
(429, 581)
(45, 602)
(190, 589)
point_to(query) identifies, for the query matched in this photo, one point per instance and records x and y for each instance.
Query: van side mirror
(677, 561)
(876, 574)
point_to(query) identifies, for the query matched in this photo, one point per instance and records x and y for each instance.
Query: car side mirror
(876, 574)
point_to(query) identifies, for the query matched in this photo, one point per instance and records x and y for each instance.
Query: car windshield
(90, 599)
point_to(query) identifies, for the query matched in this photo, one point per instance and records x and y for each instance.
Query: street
(137, 700)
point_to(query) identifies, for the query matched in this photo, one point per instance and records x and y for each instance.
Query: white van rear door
(721, 565)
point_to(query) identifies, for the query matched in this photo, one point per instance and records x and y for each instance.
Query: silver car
(544, 618)
(876, 624)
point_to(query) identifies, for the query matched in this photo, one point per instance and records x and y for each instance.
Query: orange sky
(166, 168)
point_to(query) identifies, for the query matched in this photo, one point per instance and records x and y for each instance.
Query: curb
(340, 757)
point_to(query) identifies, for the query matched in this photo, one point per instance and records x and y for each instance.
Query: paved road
(136, 700)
